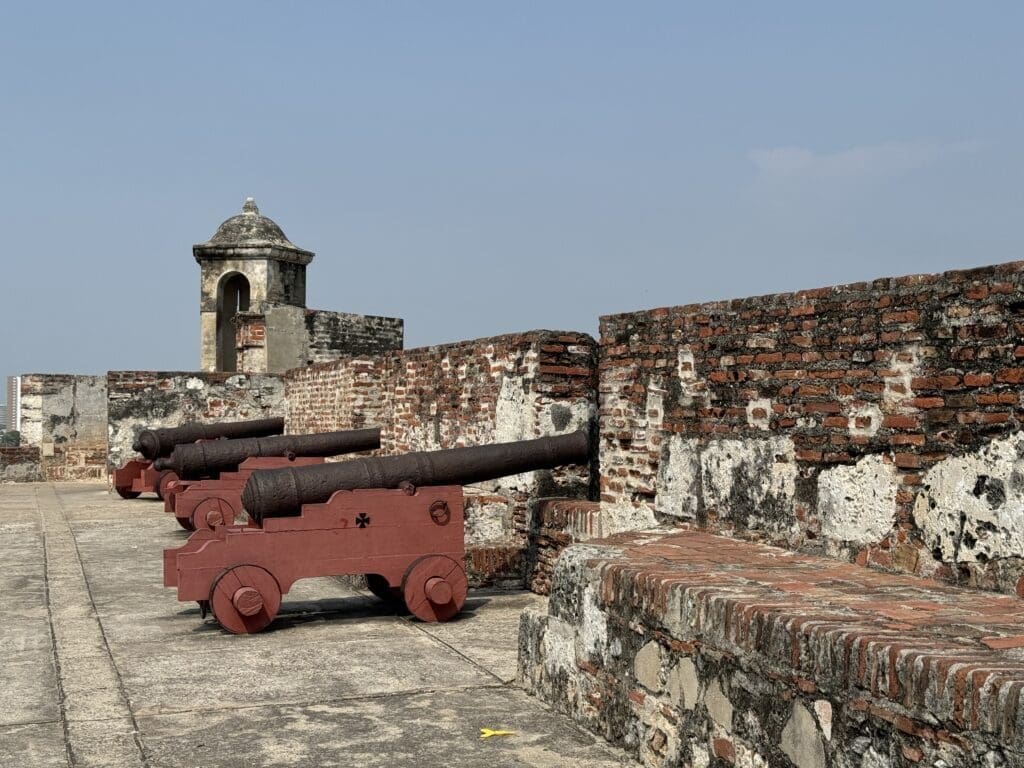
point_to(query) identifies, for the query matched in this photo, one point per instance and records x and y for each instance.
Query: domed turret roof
(249, 227)
(251, 231)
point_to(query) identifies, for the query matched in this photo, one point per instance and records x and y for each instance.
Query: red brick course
(558, 523)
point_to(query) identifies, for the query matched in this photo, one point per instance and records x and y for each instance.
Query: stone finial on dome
(249, 206)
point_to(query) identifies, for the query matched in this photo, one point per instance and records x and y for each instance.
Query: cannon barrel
(282, 492)
(157, 443)
(196, 460)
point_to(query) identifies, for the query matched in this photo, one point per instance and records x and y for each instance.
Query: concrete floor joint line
(63, 525)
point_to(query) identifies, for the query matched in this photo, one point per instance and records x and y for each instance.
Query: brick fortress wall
(876, 421)
(140, 400)
(500, 389)
(20, 465)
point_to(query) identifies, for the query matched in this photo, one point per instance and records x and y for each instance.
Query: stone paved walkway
(103, 667)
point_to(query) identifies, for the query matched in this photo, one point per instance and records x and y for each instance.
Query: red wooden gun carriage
(396, 519)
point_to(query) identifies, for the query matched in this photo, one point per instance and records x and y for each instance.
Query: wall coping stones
(942, 663)
(879, 284)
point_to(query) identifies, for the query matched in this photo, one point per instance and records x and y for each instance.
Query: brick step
(689, 648)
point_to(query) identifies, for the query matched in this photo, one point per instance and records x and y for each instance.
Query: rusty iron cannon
(282, 492)
(227, 465)
(138, 476)
(397, 519)
(207, 459)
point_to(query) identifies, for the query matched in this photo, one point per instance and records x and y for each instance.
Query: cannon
(207, 459)
(397, 519)
(138, 476)
(209, 503)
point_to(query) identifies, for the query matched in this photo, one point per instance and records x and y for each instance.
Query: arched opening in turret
(232, 298)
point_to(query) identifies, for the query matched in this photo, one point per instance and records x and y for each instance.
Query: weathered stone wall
(283, 338)
(20, 465)
(336, 334)
(878, 421)
(689, 649)
(65, 417)
(141, 399)
(476, 392)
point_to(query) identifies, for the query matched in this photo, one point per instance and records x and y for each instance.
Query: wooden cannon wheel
(167, 477)
(213, 513)
(186, 523)
(126, 492)
(434, 588)
(245, 599)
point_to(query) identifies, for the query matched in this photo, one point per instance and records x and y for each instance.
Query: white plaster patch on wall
(754, 474)
(593, 632)
(488, 519)
(31, 419)
(515, 419)
(865, 420)
(686, 364)
(897, 386)
(195, 383)
(971, 508)
(759, 413)
(857, 503)
(678, 486)
(691, 387)
(514, 414)
(623, 516)
(558, 646)
(654, 408)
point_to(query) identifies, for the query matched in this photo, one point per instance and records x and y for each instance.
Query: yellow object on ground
(486, 733)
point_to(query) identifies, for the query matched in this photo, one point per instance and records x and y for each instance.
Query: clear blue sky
(481, 168)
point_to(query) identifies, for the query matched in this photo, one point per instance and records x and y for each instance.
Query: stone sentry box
(879, 422)
(252, 304)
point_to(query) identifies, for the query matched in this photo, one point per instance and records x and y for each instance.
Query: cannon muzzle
(206, 459)
(282, 492)
(157, 443)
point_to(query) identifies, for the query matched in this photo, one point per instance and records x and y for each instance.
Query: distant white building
(13, 411)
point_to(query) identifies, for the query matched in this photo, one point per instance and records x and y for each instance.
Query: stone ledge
(688, 648)
(557, 524)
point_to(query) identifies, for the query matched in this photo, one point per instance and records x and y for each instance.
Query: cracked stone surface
(103, 667)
